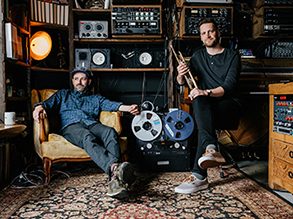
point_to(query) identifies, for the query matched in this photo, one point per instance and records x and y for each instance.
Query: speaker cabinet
(100, 58)
(92, 58)
(83, 58)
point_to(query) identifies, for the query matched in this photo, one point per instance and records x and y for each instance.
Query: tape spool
(147, 126)
(147, 105)
(178, 125)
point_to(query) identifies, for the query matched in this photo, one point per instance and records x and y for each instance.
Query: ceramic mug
(9, 118)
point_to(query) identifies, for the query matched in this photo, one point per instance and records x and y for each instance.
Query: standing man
(217, 70)
(79, 110)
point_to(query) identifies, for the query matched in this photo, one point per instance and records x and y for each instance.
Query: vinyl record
(178, 125)
(147, 126)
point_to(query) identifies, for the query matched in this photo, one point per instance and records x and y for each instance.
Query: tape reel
(147, 126)
(178, 125)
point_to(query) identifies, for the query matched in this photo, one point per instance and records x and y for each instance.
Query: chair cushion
(52, 148)
(111, 119)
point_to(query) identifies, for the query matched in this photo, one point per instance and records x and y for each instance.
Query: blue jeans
(210, 114)
(99, 141)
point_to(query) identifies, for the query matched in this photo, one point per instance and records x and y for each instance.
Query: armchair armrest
(41, 133)
(112, 119)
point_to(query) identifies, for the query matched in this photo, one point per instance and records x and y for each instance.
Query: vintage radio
(192, 15)
(272, 20)
(93, 29)
(92, 58)
(136, 20)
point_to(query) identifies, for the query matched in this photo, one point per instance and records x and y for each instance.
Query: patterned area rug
(84, 196)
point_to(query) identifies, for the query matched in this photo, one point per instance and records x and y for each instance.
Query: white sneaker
(211, 158)
(192, 184)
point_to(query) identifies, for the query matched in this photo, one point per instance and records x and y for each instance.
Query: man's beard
(212, 43)
(81, 88)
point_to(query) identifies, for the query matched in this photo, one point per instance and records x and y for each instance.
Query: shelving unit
(15, 88)
(114, 78)
(16, 61)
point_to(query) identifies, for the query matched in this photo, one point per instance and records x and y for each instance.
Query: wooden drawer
(282, 150)
(282, 174)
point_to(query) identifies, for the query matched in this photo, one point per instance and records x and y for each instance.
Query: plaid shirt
(73, 106)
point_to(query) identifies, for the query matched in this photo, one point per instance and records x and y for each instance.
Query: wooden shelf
(129, 70)
(17, 62)
(48, 25)
(89, 11)
(23, 31)
(35, 68)
(118, 40)
(17, 98)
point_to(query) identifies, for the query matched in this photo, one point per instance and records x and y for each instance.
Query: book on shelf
(13, 42)
(10, 40)
(43, 12)
(47, 12)
(50, 11)
(66, 15)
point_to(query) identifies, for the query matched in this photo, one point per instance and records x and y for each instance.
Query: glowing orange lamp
(40, 45)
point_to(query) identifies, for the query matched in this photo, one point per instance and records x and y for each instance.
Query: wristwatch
(209, 92)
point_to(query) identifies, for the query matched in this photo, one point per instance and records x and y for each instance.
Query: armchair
(52, 147)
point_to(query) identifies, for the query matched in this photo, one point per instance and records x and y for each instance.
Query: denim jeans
(210, 114)
(99, 141)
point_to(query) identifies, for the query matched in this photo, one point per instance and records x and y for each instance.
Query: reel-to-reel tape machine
(162, 140)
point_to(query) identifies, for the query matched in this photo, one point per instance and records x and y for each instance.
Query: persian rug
(83, 195)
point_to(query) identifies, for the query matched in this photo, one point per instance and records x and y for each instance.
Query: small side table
(10, 131)
(7, 135)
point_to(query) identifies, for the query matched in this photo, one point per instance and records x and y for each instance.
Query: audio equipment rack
(281, 136)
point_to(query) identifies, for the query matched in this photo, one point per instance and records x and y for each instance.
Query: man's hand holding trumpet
(184, 75)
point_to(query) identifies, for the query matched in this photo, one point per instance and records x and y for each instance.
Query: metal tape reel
(178, 125)
(147, 105)
(147, 126)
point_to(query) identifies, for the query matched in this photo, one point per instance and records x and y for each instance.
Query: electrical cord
(27, 180)
(33, 179)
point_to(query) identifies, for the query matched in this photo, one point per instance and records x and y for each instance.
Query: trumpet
(188, 77)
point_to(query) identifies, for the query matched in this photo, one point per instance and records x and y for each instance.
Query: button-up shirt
(222, 69)
(73, 106)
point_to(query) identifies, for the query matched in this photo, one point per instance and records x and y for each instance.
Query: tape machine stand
(162, 140)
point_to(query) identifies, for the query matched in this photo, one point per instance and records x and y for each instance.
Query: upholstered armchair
(52, 147)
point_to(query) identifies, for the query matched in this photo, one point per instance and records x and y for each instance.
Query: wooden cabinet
(281, 136)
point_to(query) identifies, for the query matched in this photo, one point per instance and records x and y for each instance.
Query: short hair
(207, 21)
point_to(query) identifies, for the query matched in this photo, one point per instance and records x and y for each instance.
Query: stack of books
(50, 11)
